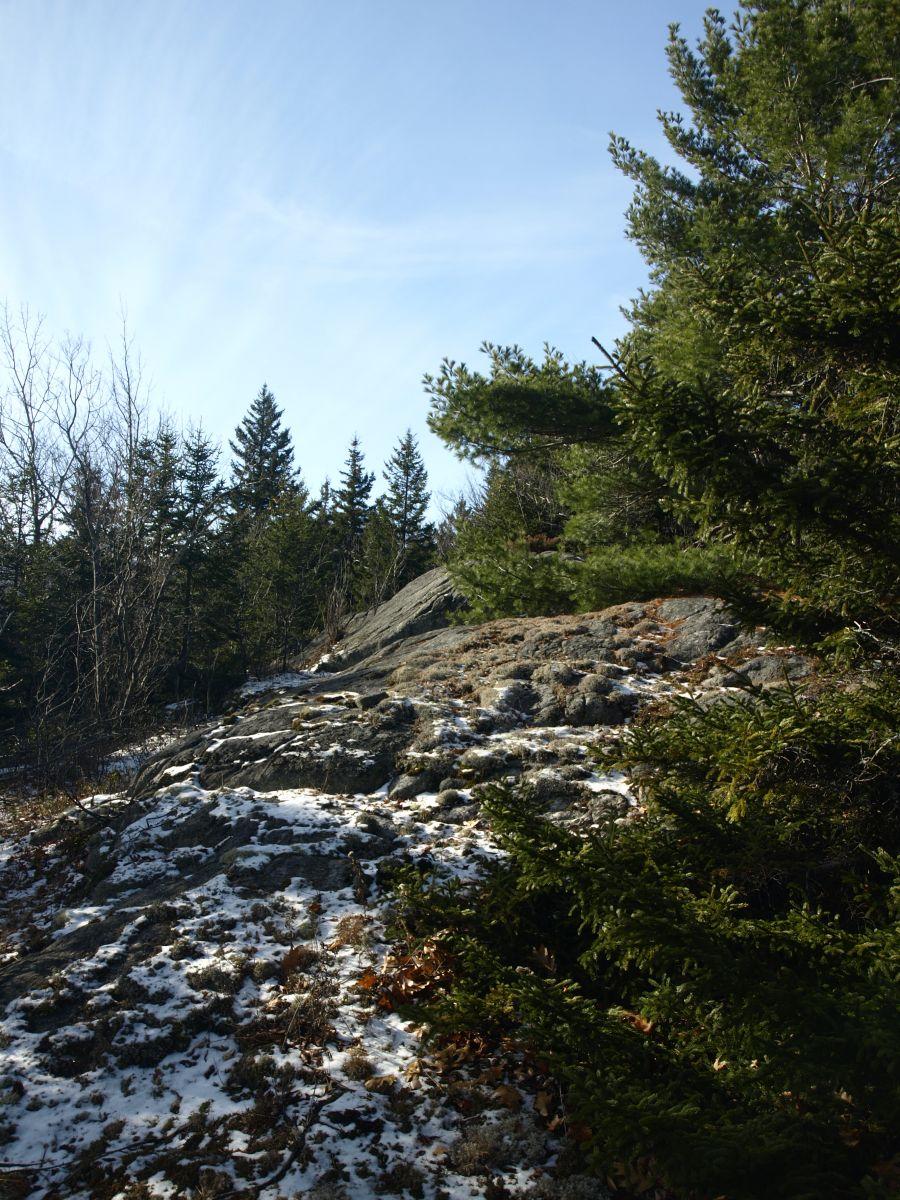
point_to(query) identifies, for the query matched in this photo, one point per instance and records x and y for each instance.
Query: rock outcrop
(425, 604)
(187, 968)
(364, 721)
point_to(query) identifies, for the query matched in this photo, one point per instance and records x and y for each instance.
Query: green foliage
(131, 577)
(406, 505)
(503, 558)
(761, 374)
(612, 497)
(642, 571)
(754, 399)
(381, 559)
(716, 979)
(280, 576)
(508, 580)
(518, 404)
(562, 528)
(263, 464)
(518, 553)
(350, 502)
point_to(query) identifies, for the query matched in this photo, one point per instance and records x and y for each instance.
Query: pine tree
(406, 503)
(761, 376)
(263, 463)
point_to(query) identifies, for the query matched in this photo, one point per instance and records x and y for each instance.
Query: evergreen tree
(381, 558)
(283, 578)
(563, 481)
(201, 498)
(263, 465)
(406, 503)
(719, 971)
(158, 467)
(502, 558)
(324, 503)
(201, 490)
(757, 386)
(761, 376)
(448, 528)
(350, 502)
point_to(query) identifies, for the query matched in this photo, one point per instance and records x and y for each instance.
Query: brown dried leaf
(380, 1083)
(636, 1021)
(509, 1097)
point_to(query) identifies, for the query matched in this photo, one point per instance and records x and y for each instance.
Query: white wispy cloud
(544, 229)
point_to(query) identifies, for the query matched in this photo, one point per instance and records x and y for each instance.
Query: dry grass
(352, 931)
(357, 1064)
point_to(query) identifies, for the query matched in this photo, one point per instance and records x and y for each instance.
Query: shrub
(616, 574)
(715, 980)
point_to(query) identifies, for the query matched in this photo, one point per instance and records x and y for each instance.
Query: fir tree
(263, 465)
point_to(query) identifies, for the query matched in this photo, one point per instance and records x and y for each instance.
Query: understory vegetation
(714, 982)
(715, 979)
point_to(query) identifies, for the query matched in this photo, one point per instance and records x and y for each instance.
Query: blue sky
(328, 196)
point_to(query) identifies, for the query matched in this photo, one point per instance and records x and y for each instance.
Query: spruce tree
(263, 465)
(406, 504)
(381, 559)
(350, 501)
(159, 461)
(201, 490)
(201, 495)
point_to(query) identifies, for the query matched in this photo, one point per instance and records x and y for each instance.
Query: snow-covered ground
(226, 1037)
(196, 985)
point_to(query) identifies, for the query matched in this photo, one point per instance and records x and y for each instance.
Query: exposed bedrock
(404, 672)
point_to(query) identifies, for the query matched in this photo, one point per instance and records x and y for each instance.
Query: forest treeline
(714, 981)
(137, 570)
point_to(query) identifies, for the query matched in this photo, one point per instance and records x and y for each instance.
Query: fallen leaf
(380, 1083)
(508, 1096)
(294, 958)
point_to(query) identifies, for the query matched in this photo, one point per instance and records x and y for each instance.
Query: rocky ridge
(185, 965)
